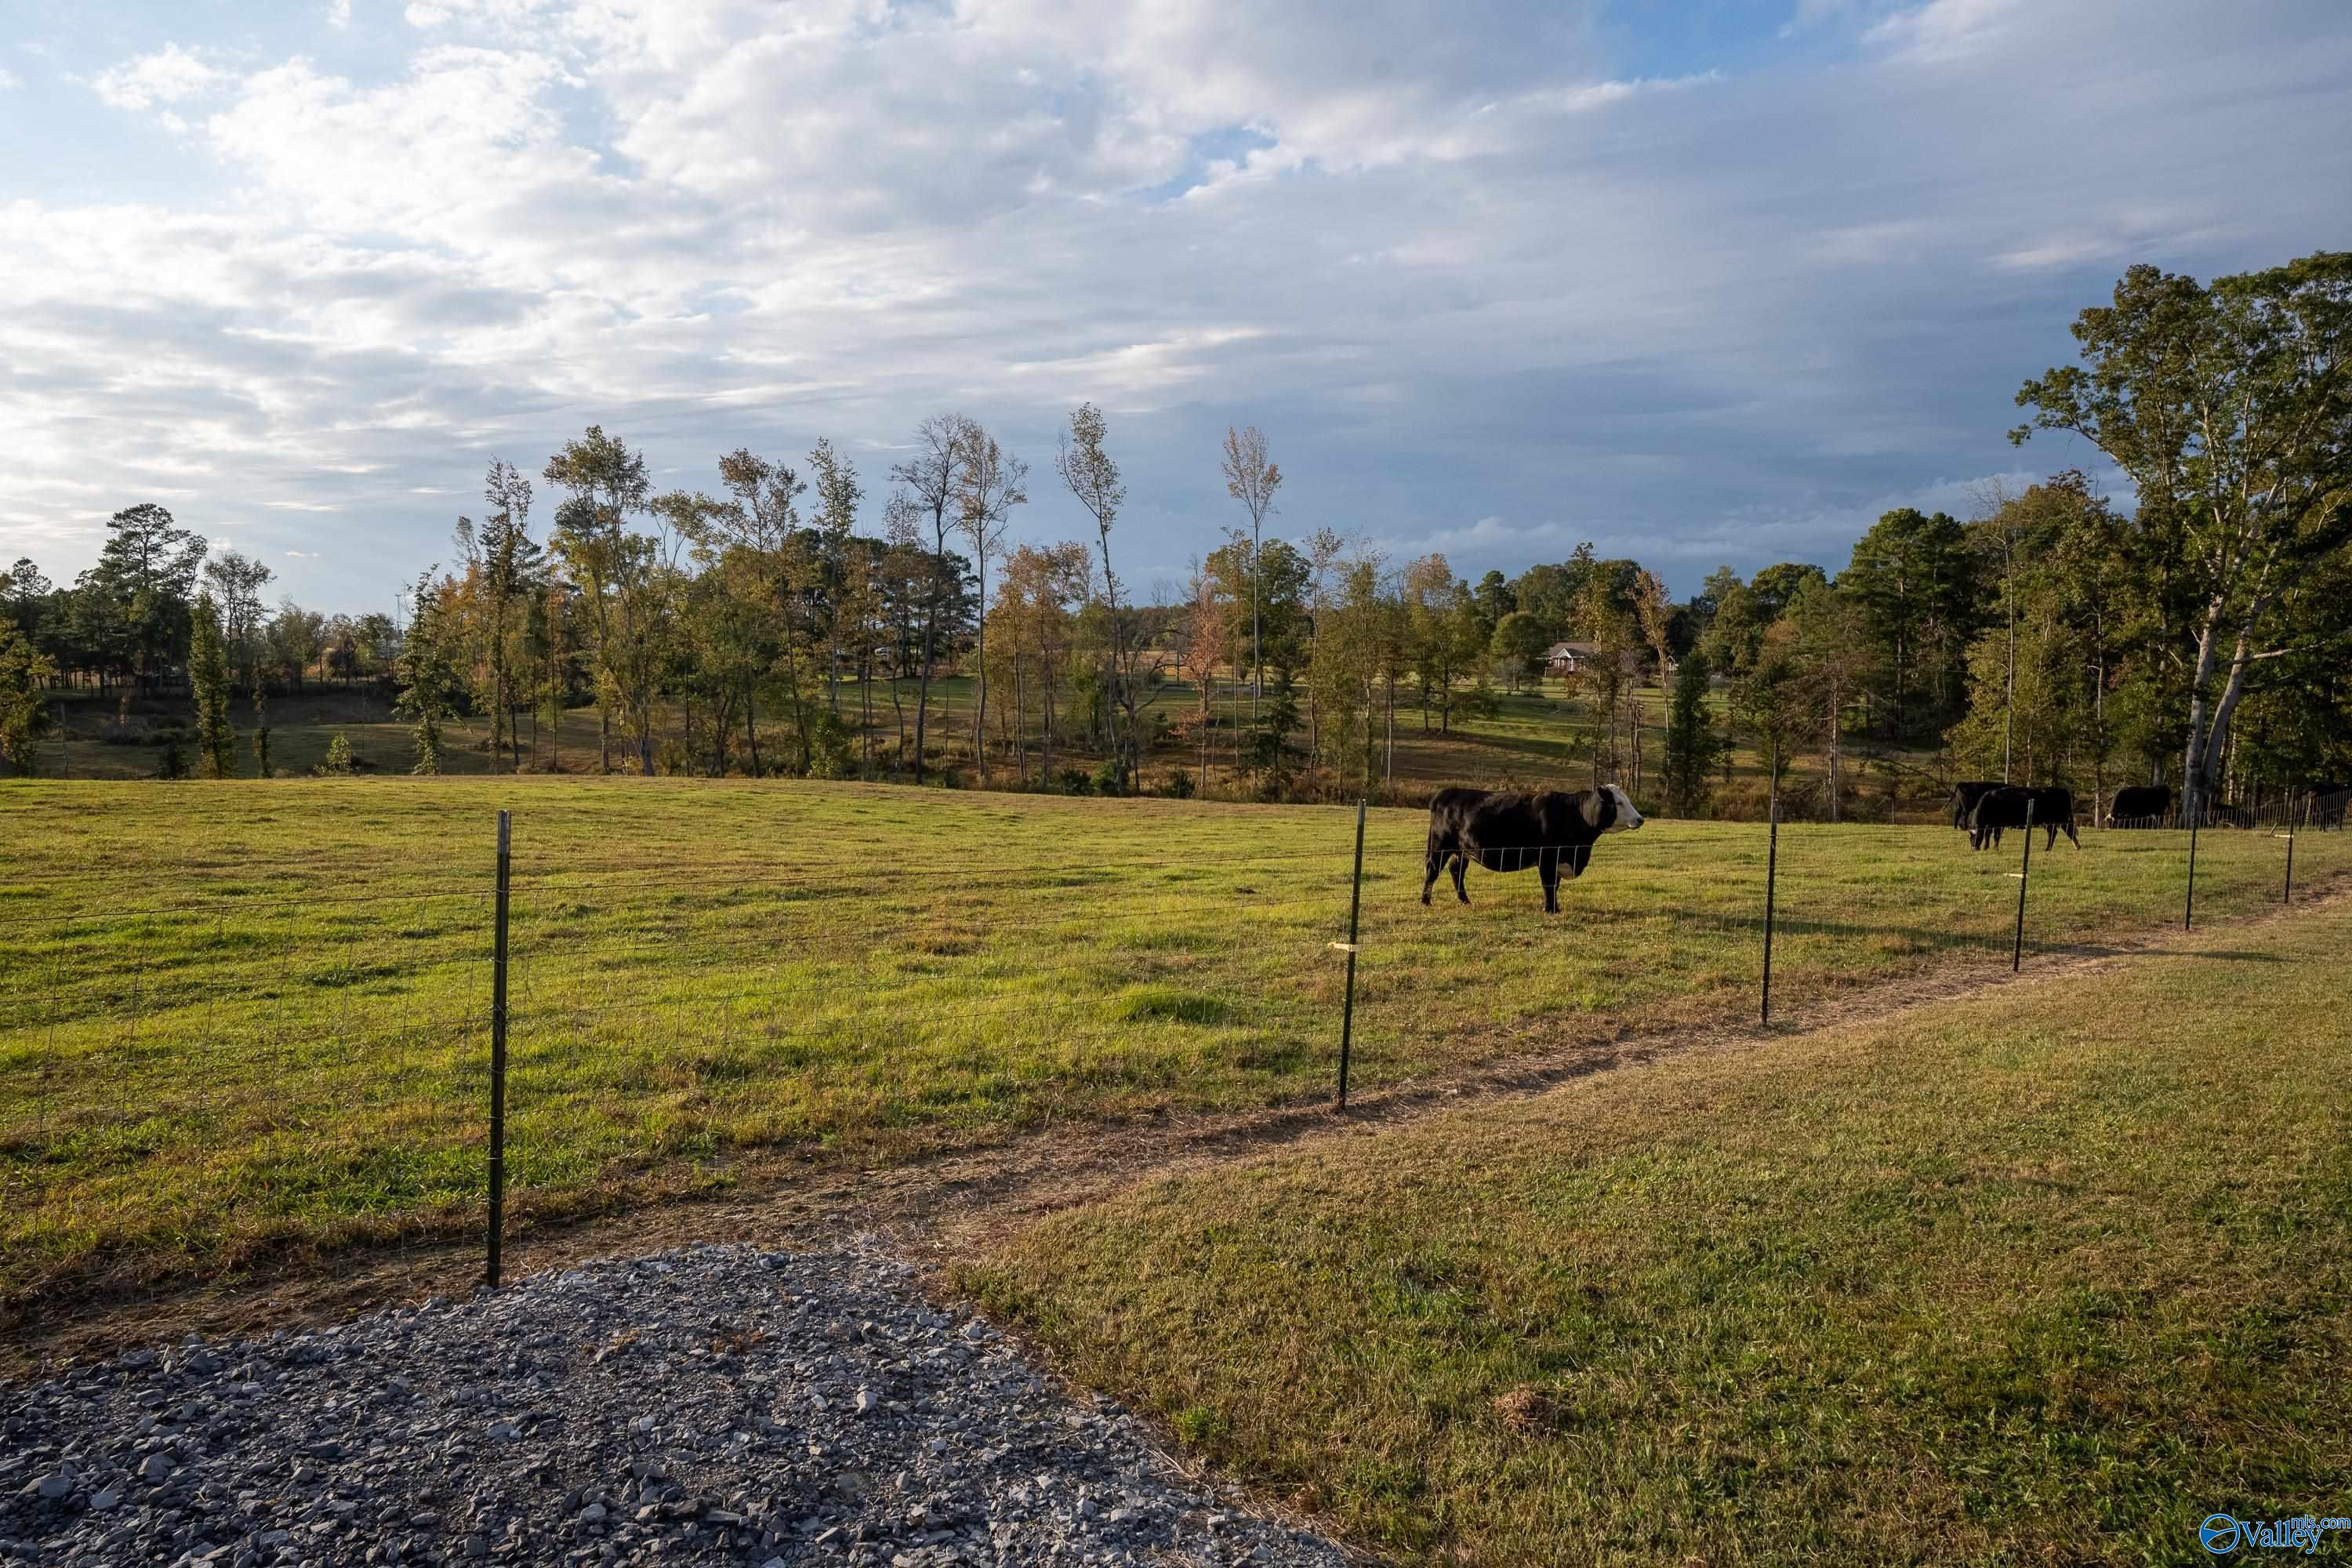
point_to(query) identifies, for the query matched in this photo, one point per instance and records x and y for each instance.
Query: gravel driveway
(715, 1404)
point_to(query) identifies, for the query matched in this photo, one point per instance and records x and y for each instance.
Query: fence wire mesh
(197, 1073)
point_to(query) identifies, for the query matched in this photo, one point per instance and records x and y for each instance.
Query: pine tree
(1694, 745)
(208, 675)
(428, 675)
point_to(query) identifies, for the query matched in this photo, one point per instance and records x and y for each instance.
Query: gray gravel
(716, 1405)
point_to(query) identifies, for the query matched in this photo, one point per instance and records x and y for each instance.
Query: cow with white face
(1511, 830)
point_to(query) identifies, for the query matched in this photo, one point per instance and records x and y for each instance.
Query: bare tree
(1655, 612)
(903, 561)
(1202, 638)
(837, 493)
(989, 487)
(1323, 547)
(1252, 479)
(931, 488)
(1093, 476)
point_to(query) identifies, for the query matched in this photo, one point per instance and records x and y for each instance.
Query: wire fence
(190, 1082)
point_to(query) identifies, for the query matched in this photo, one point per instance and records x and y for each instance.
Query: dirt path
(954, 1203)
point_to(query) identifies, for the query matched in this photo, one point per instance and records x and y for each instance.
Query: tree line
(777, 622)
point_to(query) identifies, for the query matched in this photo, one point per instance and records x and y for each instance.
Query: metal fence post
(2024, 874)
(2189, 904)
(1771, 874)
(2287, 897)
(498, 1060)
(1355, 908)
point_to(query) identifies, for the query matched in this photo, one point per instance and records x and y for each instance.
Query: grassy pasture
(235, 1017)
(2042, 1276)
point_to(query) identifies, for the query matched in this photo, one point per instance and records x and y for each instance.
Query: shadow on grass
(1927, 939)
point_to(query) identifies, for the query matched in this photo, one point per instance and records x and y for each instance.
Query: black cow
(2053, 809)
(2140, 806)
(2327, 804)
(1516, 831)
(1965, 795)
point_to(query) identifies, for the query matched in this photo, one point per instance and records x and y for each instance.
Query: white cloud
(1454, 256)
(170, 75)
(1947, 29)
(9, 79)
(339, 14)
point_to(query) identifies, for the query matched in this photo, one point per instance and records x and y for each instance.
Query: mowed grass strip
(2043, 1276)
(249, 1017)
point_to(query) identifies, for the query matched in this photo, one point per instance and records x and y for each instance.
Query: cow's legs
(1548, 870)
(1461, 885)
(1430, 868)
(1579, 856)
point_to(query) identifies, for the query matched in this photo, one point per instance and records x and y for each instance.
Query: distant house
(1565, 659)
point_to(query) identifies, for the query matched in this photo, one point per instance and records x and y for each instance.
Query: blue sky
(1702, 283)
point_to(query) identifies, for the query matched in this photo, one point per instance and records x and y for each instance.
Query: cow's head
(1610, 810)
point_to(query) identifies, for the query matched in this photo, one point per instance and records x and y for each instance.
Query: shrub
(1478, 702)
(339, 758)
(831, 754)
(1107, 779)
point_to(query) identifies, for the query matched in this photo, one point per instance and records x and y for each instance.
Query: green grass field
(235, 1018)
(2044, 1276)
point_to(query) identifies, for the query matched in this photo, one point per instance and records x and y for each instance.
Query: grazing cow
(2052, 810)
(1514, 831)
(1965, 795)
(2140, 806)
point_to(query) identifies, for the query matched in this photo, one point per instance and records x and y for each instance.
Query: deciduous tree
(25, 672)
(1084, 464)
(607, 484)
(989, 483)
(931, 492)
(1251, 479)
(2230, 408)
